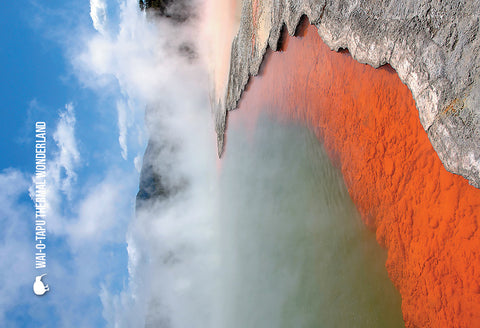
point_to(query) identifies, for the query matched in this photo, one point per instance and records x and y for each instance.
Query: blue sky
(49, 74)
(88, 69)
(38, 78)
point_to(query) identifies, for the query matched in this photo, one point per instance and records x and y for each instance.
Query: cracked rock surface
(433, 46)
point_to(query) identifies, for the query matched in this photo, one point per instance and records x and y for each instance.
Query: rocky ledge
(433, 46)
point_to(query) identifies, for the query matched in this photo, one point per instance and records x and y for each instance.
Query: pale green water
(295, 252)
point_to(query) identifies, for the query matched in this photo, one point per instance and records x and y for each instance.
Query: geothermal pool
(329, 208)
(295, 251)
(426, 217)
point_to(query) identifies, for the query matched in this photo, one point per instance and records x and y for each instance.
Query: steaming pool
(295, 252)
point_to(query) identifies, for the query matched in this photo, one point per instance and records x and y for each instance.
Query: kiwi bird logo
(39, 288)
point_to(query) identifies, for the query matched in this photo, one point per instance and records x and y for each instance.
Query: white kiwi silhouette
(39, 288)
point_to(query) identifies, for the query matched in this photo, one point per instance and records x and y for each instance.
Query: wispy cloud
(99, 212)
(122, 128)
(89, 211)
(90, 217)
(76, 265)
(83, 210)
(62, 168)
(16, 270)
(98, 13)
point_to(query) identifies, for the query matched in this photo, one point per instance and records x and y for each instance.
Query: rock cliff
(433, 46)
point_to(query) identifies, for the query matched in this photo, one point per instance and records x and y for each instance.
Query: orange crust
(426, 217)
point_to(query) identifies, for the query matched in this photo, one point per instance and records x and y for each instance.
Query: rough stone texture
(433, 46)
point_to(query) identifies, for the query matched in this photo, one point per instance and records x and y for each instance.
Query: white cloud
(98, 13)
(138, 64)
(138, 161)
(93, 215)
(122, 128)
(142, 59)
(101, 221)
(16, 241)
(103, 210)
(62, 162)
(87, 216)
(68, 157)
(123, 59)
(91, 208)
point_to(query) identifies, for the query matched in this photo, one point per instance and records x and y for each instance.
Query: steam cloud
(160, 64)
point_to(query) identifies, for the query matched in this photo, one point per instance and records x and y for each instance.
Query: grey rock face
(154, 183)
(433, 46)
(157, 182)
(177, 10)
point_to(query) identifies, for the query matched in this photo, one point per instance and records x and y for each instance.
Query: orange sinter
(426, 217)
